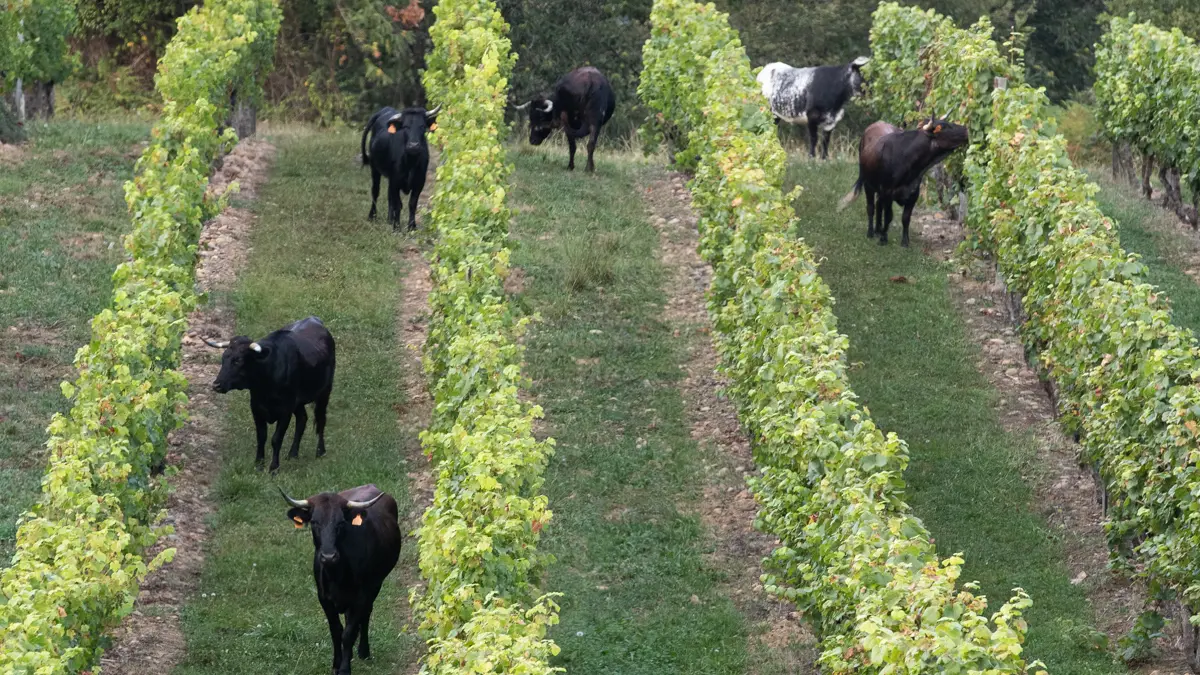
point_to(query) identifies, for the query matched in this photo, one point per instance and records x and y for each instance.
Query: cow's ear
(300, 517)
(356, 517)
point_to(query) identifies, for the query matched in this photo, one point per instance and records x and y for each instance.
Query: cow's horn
(364, 505)
(434, 112)
(298, 503)
(219, 345)
(860, 61)
(523, 105)
(256, 347)
(549, 106)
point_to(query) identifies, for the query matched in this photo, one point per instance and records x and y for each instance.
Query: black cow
(284, 371)
(356, 543)
(398, 150)
(815, 96)
(582, 102)
(891, 164)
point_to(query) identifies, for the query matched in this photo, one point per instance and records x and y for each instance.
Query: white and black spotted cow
(815, 96)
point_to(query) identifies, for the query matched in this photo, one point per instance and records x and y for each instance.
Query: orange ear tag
(299, 521)
(357, 520)
(937, 129)
(391, 128)
(433, 127)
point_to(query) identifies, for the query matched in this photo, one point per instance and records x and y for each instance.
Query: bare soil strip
(413, 324)
(1069, 494)
(150, 640)
(727, 508)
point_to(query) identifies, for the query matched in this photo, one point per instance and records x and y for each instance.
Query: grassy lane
(1153, 233)
(919, 379)
(314, 253)
(639, 596)
(61, 208)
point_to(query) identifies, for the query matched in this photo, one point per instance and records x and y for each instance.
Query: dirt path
(1069, 495)
(150, 640)
(412, 328)
(779, 641)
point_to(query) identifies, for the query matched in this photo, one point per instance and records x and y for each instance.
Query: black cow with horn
(581, 103)
(356, 543)
(284, 372)
(399, 151)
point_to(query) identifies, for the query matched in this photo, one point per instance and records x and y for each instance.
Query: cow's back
(586, 90)
(870, 155)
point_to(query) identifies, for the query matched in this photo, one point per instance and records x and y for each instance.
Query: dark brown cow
(891, 164)
(356, 543)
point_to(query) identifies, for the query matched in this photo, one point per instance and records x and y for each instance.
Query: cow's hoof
(883, 241)
(371, 217)
(904, 243)
(274, 469)
(320, 452)
(570, 167)
(294, 455)
(364, 655)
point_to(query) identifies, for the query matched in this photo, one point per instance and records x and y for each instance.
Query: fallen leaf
(901, 279)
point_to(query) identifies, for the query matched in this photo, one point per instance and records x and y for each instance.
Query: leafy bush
(1148, 91)
(481, 609)
(78, 557)
(1126, 374)
(853, 558)
(43, 26)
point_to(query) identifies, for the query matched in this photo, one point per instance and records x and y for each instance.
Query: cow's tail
(366, 132)
(851, 195)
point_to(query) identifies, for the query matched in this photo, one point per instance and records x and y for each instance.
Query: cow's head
(856, 76)
(543, 119)
(329, 515)
(945, 136)
(240, 355)
(407, 129)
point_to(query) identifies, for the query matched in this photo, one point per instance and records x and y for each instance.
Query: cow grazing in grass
(815, 96)
(399, 152)
(284, 371)
(891, 164)
(356, 543)
(581, 103)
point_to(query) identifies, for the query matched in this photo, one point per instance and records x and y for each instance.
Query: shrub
(78, 557)
(853, 558)
(480, 610)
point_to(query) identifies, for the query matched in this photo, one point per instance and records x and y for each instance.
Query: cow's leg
(571, 150)
(375, 176)
(335, 634)
(349, 636)
(595, 135)
(319, 410)
(905, 216)
(412, 210)
(879, 214)
(394, 203)
(814, 129)
(364, 644)
(887, 220)
(260, 432)
(281, 428)
(870, 212)
(825, 143)
(301, 422)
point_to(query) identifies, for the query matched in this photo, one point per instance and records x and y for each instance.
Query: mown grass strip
(967, 477)
(638, 593)
(314, 253)
(1148, 230)
(62, 216)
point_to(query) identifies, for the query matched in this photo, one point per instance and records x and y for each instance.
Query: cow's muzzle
(328, 558)
(219, 387)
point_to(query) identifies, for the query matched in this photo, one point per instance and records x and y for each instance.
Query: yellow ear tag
(357, 520)
(433, 127)
(391, 128)
(299, 521)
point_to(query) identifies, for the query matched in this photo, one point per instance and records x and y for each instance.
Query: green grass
(1152, 232)
(314, 253)
(60, 210)
(919, 379)
(626, 471)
